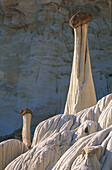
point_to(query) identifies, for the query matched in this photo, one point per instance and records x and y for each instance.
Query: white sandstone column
(81, 92)
(27, 114)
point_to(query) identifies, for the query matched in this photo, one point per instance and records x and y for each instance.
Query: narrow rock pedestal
(27, 114)
(81, 92)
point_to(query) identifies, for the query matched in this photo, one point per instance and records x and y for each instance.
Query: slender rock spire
(81, 92)
(27, 114)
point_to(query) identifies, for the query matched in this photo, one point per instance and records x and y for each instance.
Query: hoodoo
(27, 114)
(12, 148)
(81, 92)
(68, 142)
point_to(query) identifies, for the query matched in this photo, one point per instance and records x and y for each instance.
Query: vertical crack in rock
(81, 92)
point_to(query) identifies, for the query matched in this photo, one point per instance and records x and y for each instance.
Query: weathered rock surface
(36, 50)
(9, 150)
(70, 142)
(81, 94)
(72, 158)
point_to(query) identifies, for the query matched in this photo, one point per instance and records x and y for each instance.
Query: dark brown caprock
(25, 111)
(79, 18)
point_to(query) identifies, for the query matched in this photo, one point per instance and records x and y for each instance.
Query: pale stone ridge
(70, 142)
(46, 152)
(57, 123)
(9, 150)
(93, 113)
(81, 92)
(105, 118)
(108, 154)
(69, 157)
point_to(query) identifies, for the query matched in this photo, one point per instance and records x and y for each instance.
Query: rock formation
(10, 149)
(36, 50)
(81, 93)
(66, 141)
(74, 159)
(27, 114)
(70, 142)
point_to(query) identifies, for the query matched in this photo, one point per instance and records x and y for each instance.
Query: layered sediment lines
(71, 141)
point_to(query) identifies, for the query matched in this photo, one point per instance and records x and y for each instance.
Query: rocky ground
(66, 142)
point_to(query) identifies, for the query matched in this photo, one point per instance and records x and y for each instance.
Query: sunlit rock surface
(9, 150)
(81, 93)
(69, 142)
(36, 51)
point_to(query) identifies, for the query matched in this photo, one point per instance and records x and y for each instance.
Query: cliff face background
(36, 51)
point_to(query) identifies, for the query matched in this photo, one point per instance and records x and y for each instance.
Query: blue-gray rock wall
(36, 50)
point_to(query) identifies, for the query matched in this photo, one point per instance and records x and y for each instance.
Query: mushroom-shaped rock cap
(79, 18)
(25, 111)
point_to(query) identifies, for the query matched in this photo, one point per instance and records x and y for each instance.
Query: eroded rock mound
(9, 150)
(71, 142)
